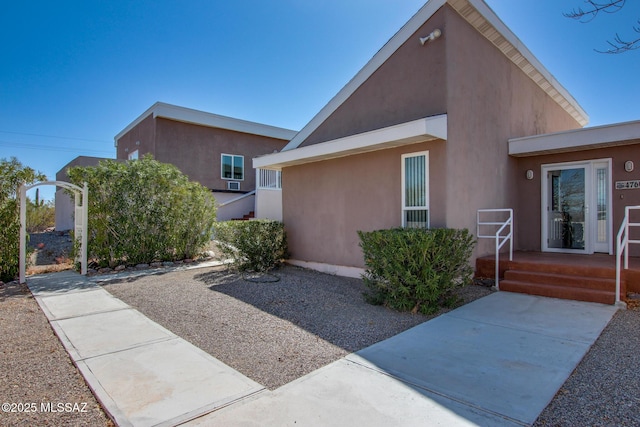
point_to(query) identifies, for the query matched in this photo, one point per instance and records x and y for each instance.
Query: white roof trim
(426, 129)
(479, 15)
(188, 115)
(576, 140)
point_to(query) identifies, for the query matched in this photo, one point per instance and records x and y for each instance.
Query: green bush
(143, 211)
(416, 269)
(12, 174)
(257, 245)
(40, 215)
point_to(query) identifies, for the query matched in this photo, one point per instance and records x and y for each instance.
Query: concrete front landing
(143, 374)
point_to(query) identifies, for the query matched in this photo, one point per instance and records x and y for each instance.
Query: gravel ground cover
(604, 389)
(272, 331)
(276, 332)
(36, 374)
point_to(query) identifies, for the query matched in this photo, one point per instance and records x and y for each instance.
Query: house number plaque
(628, 185)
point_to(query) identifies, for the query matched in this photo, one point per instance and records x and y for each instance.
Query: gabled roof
(188, 115)
(481, 17)
(611, 135)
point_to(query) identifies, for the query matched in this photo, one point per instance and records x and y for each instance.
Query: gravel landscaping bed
(272, 331)
(604, 389)
(36, 374)
(275, 332)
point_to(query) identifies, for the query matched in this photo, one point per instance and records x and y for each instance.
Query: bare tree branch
(618, 44)
(611, 6)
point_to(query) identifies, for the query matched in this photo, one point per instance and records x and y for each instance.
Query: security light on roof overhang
(434, 35)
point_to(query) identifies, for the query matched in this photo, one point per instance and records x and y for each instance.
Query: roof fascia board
(188, 115)
(134, 123)
(374, 63)
(576, 140)
(428, 128)
(513, 42)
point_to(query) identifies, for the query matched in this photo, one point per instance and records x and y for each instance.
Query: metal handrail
(500, 240)
(622, 247)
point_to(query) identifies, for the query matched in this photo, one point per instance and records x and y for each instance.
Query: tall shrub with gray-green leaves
(142, 211)
(416, 269)
(12, 174)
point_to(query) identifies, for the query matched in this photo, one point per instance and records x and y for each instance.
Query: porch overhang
(421, 130)
(612, 135)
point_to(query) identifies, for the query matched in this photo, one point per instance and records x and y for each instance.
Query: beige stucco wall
(409, 86)
(196, 150)
(141, 137)
(530, 191)
(269, 204)
(234, 210)
(489, 101)
(327, 202)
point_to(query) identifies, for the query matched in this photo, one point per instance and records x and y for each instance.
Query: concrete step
(565, 280)
(559, 291)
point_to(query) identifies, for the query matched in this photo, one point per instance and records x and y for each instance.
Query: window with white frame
(232, 167)
(415, 190)
(133, 155)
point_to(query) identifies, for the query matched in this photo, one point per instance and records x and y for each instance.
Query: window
(415, 190)
(133, 155)
(232, 167)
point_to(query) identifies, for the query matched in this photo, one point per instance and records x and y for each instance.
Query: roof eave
(611, 135)
(421, 130)
(481, 17)
(202, 118)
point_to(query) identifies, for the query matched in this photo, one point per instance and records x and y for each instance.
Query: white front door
(576, 206)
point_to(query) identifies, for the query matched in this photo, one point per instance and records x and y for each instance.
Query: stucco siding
(268, 204)
(408, 86)
(530, 196)
(141, 138)
(489, 101)
(325, 203)
(196, 149)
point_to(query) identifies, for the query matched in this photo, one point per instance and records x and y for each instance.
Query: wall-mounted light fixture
(432, 36)
(628, 166)
(529, 174)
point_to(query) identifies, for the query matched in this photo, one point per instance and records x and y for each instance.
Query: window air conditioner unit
(233, 185)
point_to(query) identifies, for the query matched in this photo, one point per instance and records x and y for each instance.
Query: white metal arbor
(80, 221)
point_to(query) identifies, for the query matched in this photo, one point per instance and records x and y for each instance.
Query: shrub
(143, 211)
(40, 215)
(12, 174)
(257, 245)
(416, 269)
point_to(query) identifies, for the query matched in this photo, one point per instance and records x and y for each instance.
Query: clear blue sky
(74, 73)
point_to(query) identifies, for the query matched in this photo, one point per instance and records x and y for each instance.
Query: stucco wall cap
(421, 130)
(610, 135)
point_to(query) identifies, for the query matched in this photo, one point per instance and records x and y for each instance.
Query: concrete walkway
(495, 362)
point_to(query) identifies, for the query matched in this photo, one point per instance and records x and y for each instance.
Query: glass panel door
(566, 226)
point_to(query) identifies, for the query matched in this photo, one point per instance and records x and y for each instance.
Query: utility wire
(47, 148)
(57, 137)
